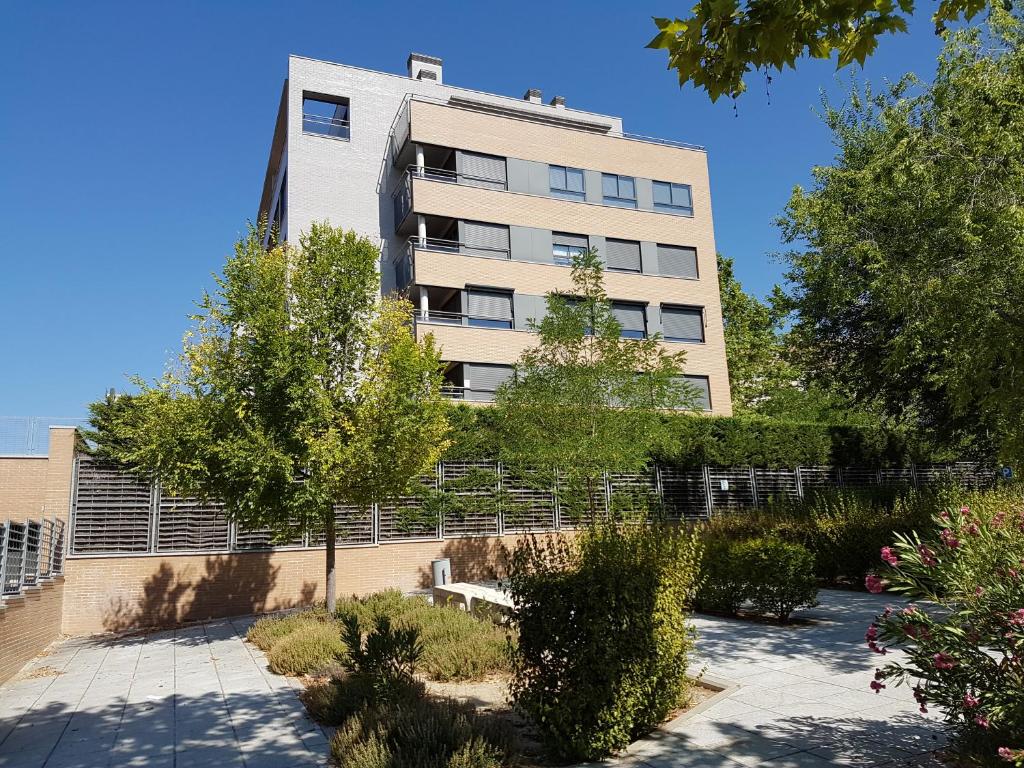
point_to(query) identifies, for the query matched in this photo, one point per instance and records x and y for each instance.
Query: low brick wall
(116, 594)
(29, 623)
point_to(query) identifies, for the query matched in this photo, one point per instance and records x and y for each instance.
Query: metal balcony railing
(326, 126)
(441, 317)
(442, 245)
(454, 392)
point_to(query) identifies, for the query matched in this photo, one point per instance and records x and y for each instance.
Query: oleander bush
(307, 650)
(774, 576)
(604, 639)
(962, 640)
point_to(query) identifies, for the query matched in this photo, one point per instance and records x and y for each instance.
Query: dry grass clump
(310, 648)
(268, 630)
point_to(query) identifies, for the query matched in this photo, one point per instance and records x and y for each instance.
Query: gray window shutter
(700, 391)
(491, 305)
(630, 316)
(622, 255)
(484, 380)
(564, 238)
(481, 239)
(478, 170)
(679, 323)
(677, 261)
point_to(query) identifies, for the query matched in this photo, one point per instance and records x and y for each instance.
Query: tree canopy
(298, 389)
(907, 270)
(721, 41)
(586, 400)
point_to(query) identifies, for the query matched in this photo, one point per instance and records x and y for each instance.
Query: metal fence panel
(190, 525)
(352, 527)
(246, 539)
(574, 501)
(30, 567)
(820, 478)
(475, 483)
(407, 518)
(731, 488)
(14, 559)
(859, 478)
(634, 495)
(112, 510)
(528, 501)
(683, 493)
(775, 485)
(896, 477)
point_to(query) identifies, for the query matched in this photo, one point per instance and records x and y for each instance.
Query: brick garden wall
(33, 488)
(118, 593)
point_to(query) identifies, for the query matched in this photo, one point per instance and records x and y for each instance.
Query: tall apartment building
(479, 202)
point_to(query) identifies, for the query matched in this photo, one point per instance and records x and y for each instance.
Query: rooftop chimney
(533, 96)
(558, 102)
(422, 67)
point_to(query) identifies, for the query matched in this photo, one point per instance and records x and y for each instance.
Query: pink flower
(1017, 617)
(981, 721)
(927, 556)
(949, 539)
(889, 556)
(944, 515)
(874, 584)
(979, 591)
(965, 510)
(944, 661)
(998, 519)
(1007, 754)
(876, 686)
(872, 633)
(973, 529)
(970, 702)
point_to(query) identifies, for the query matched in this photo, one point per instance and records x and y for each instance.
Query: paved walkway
(194, 697)
(802, 697)
(203, 697)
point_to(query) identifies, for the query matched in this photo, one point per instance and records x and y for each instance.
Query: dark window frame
(618, 200)
(565, 193)
(680, 208)
(680, 340)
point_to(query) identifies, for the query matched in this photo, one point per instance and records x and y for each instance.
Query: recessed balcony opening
(475, 382)
(472, 307)
(469, 238)
(325, 115)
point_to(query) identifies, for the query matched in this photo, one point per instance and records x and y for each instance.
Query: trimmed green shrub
(308, 649)
(269, 629)
(778, 576)
(456, 644)
(721, 590)
(603, 636)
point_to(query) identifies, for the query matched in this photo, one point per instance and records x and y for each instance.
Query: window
(632, 318)
(697, 391)
(483, 380)
(489, 309)
(682, 324)
(622, 255)
(565, 246)
(325, 115)
(677, 261)
(566, 182)
(483, 239)
(673, 198)
(479, 170)
(618, 190)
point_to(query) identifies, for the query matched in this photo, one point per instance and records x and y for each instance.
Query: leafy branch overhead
(722, 40)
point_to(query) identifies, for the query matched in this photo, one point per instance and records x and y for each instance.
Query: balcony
(445, 173)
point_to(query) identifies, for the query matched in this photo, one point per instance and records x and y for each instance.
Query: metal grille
(191, 525)
(352, 527)
(818, 479)
(972, 474)
(931, 474)
(33, 537)
(774, 485)
(860, 477)
(46, 549)
(57, 556)
(112, 510)
(471, 483)
(574, 501)
(731, 488)
(896, 477)
(14, 559)
(263, 538)
(684, 493)
(529, 501)
(407, 518)
(634, 495)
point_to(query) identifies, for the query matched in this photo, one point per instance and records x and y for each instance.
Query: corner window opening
(326, 116)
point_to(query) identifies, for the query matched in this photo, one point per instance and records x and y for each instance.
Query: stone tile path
(802, 698)
(203, 697)
(193, 697)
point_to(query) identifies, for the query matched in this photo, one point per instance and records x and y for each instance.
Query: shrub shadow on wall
(230, 585)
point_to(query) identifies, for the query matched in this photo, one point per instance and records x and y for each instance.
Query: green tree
(720, 42)
(585, 400)
(298, 389)
(908, 273)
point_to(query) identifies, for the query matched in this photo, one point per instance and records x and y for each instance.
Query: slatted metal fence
(31, 552)
(116, 513)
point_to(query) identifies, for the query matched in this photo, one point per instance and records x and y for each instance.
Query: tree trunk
(332, 580)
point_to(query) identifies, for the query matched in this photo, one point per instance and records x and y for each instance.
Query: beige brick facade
(31, 489)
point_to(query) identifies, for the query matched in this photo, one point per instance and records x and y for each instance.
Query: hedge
(733, 441)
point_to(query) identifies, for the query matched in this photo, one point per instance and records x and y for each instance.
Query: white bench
(478, 600)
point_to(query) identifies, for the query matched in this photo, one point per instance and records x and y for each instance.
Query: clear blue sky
(134, 137)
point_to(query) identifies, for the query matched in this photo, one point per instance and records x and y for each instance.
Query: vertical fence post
(799, 484)
(708, 500)
(913, 476)
(439, 487)
(24, 557)
(154, 516)
(500, 511)
(53, 547)
(3, 554)
(660, 491)
(753, 486)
